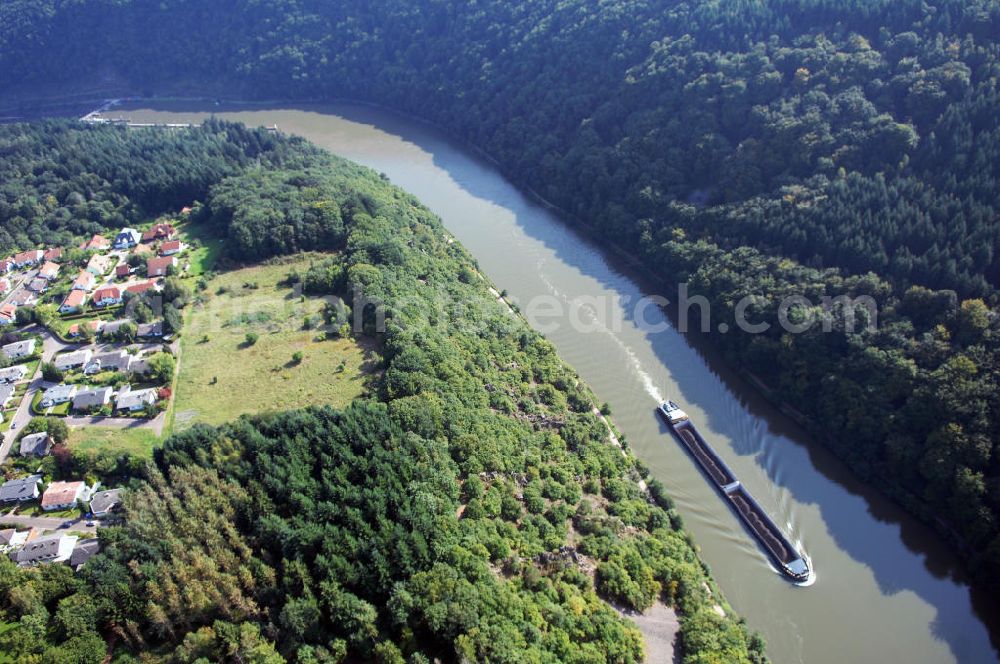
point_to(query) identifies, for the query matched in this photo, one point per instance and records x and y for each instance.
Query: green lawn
(203, 258)
(223, 377)
(138, 442)
(33, 508)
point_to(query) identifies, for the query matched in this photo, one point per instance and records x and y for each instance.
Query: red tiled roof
(122, 270)
(141, 287)
(97, 242)
(172, 245)
(53, 253)
(158, 231)
(157, 266)
(75, 299)
(107, 293)
(8, 311)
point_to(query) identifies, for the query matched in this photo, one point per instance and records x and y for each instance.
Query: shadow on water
(901, 553)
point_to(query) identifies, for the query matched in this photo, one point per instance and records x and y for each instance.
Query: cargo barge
(784, 554)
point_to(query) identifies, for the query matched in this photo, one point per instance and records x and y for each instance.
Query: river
(887, 589)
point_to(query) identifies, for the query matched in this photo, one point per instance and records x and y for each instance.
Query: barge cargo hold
(784, 554)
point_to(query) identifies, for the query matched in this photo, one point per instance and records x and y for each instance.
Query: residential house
(11, 539)
(49, 271)
(73, 302)
(23, 298)
(20, 490)
(140, 288)
(123, 270)
(6, 265)
(107, 296)
(127, 238)
(36, 444)
(13, 374)
(53, 254)
(159, 232)
(94, 325)
(45, 550)
(19, 349)
(111, 328)
(117, 360)
(144, 250)
(63, 495)
(159, 267)
(84, 550)
(85, 281)
(8, 314)
(171, 247)
(4, 284)
(6, 394)
(96, 243)
(99, 264)
(26, 258)
(38, 285)
(152, 330)
(135, 400)
(139, 365)
(73, 360)
(103, 502)
(57, 395)
(93, 399)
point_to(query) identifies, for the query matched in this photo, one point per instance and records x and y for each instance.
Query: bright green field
(222, 377)
(138, 442)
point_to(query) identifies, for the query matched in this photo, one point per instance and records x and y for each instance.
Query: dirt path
(659, 627)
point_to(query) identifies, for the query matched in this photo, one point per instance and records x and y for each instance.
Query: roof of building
(158, 231)
(28, 256)
(158, 265)
(61, 493)
(104, 501)
(8, 311)
(17, 371)
(36, 444)
(137, 398)
(19, 489)
(23, 297)
(117, 359)
(59, 393)
(38, 285)
(6, 392)
(74, 358)
(170, 245)
(153, 329)
(91, 398)
(53, 253)
(113, 326)
(84, 279)
(108, 293)
(26, 347)
(49, 270)
(141, 287)
(97, 242)
(94, 325)
(76, 298)
(122, 270)
(84, 550)
(48, 548)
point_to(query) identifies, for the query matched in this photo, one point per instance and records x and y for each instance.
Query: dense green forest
(473, 508)
(814, 147)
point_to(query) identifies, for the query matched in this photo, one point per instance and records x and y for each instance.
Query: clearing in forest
(247, 348)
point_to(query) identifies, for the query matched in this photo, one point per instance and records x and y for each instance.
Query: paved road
(48, 523)
(50, 346)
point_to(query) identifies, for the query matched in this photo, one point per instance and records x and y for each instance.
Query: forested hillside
(813, 147)
(473, 509)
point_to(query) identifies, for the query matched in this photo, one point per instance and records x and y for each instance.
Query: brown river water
(887, 589)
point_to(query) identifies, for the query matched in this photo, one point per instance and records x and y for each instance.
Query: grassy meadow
(223, 375)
